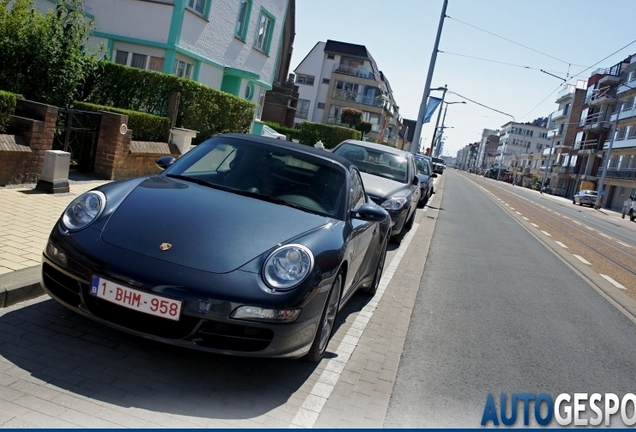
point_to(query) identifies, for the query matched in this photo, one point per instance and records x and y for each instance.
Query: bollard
(54, 178)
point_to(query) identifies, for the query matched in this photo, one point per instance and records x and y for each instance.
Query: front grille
(61, 286)
(233, 337)
(138, 321)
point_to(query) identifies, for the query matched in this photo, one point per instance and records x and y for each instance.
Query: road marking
(518, 213)
(566, 217)
(546, 233)
(310, 410)
(534, 224)
(561, 244)
(590, 228)
(624, 244)
(583, 260)
(605, 235)
(578, 223)
(511, 208)
(525, 218)
(613, 282)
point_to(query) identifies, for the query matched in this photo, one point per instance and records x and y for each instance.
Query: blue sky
(568, 38)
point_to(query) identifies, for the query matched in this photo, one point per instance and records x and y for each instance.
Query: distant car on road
(438, 165)
(585, 197)
(390, 179)
(426, 175)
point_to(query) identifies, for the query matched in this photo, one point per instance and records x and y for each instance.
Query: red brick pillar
(112, 145)
(39, 136)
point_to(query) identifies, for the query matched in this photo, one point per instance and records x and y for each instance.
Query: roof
(347, 48)
(324, 154)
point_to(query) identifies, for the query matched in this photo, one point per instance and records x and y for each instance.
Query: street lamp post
(429, 77)
(437, 145)
(439, 114)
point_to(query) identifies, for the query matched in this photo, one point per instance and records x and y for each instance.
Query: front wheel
(327, 321)
(632, 216)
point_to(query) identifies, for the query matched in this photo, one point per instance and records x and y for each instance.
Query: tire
(373, 288)
(326, 324)
(409, 223)
(573, 202)
(632, 216)
(422, 202)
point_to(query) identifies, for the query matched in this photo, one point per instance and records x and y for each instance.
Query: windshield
(271, 173)
(422, 166)
(376, 162)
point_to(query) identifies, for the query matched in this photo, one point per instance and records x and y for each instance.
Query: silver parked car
(585, 196)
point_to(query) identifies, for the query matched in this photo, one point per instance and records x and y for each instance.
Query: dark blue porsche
(245, 245)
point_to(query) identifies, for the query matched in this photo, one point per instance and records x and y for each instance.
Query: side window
(356, 193)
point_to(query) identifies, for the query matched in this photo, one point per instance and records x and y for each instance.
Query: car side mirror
(415, 181)
(164, 162)
(434, 175)
(369, 212)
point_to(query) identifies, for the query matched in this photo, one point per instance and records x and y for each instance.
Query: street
(476, 300)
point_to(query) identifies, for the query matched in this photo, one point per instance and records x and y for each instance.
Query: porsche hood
(201, 227)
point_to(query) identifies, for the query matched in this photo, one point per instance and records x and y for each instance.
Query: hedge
(330, 135)
(144, 126)
(293, 133)
(7, 107)
(201, 108)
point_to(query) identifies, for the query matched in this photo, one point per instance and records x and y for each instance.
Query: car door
(363, 234)
(415, 189)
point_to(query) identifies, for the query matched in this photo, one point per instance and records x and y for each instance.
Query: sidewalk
(27, 216)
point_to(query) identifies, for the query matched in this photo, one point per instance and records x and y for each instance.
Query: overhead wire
(482, 105)
(493, 61)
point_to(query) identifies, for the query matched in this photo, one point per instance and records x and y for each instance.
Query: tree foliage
(351, 116)
(44, 56)
(364, 127)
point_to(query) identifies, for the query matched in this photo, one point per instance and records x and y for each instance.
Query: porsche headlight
(394, 203)
(287, 266)
(83, 210)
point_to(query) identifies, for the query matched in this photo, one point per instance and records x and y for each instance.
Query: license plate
(134, 299)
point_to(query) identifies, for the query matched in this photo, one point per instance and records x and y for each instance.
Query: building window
(264, 32)
(139, 61)
(156, 64)
(325, 80)
(197, 5)
(302, 109)
(261, 104)
(249, 91)
(320, 105)
(243, 19)
(121, 57)
(305, 79)
(331, 56)
(182, 69)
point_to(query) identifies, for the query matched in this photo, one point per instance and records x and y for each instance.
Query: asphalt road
(498, 312)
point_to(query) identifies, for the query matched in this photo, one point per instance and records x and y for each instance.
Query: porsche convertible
(245, 245)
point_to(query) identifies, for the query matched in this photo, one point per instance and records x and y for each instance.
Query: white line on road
(310, 410)
(561, 244)
(613, 282)
(546, 233)
(624, 244)
(583, 260)
(590, 228)
(534, 224)
(519, 213)
(525, 218)
(605, 235)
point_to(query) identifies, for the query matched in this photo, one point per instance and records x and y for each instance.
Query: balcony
(596, 122)
(586, 147)
(565, 94)
(561, 114)
(602, 96)
(358, 98)
(626, 87)
(618, 173)
(627, 111)
(355, 71)
(621, 143)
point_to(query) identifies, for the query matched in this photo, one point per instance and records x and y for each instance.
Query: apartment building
(487, 150)
(229, 45)
(608, 119)
(335, 75)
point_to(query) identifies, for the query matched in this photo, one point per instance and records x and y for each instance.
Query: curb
(19, 286)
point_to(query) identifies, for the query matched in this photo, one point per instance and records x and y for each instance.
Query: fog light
(56, 255)
(255, 313)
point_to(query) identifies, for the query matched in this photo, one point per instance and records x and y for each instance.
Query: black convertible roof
(303, 148)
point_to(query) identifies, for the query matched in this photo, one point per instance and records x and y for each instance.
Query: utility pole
(427, 87)
(439, 114)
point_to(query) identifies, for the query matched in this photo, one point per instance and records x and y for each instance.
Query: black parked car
(390, 178)
(426, 175)
(246, 245)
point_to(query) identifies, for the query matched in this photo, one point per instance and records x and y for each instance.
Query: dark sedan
(426, 175)
(390, 178)
(246, 245)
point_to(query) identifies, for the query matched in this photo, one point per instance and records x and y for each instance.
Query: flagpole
(415, 145)
(439, 114)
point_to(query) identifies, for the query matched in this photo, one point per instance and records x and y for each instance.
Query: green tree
(364, 127)
(351, 116)
(44, 56)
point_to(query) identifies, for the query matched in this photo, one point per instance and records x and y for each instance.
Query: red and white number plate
(136, 300)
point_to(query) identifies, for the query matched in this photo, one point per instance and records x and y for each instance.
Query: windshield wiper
(193, 180)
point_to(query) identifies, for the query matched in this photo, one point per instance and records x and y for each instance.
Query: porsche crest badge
(165, 246)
